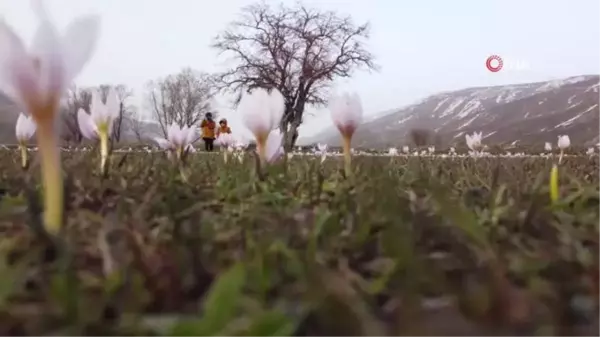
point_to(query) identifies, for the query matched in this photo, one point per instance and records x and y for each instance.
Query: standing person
(208, 126)
(223, 127)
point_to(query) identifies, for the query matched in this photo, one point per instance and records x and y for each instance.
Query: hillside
(521, 114)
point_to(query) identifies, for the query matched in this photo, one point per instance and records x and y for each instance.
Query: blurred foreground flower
(261, 112)
(346, 113)
(36, 78)
(179, 140)
(24, 130)
(548, 147)
(100, 123)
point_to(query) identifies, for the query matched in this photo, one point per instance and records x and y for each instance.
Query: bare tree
(122, 121)
(182, 98)
(298, 50)
(137, 127)
(76, 98)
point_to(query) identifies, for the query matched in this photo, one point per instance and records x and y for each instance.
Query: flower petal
(48, 51)
(21, 127)
(97, 108)
(273, 145)
(16, 69)
(277, 107)
(112, 104)
(86, 124)
(79, 43)
(163, 143)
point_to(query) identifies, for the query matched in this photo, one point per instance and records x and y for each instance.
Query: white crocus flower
(405, 149)
(179, 140)
(36, 78)
(99, 124)
(548, 146)
(392, 151)
(474, 142)
(322, 151)
(346, 114)
(261, 113)
(590, 151)
(563, 143)
(24, 130)
(431, 149)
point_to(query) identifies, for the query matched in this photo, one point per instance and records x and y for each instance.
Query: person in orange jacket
(223, 127)
(208, 126)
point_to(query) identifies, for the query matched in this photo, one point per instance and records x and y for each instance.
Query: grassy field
(404, 246)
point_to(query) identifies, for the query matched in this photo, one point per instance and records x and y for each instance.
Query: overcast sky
(422, 47)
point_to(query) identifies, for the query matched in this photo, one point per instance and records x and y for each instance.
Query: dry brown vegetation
(407, 246)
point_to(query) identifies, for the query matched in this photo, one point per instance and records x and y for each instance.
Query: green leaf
(219, 306)
(272, 323)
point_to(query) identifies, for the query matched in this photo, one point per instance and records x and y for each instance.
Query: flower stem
(561, 156)
(103, 152)
(24, 159)
(52, 179)
(225, 156)
(347, 156)
(554, 192)
(261, 150)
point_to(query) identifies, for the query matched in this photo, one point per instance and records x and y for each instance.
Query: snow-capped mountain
(521, 114)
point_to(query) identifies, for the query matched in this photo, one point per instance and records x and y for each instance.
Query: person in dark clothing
(208, 126)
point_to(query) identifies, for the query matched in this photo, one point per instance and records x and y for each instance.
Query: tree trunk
(290, 136)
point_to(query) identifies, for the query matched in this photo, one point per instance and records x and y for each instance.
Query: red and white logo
(494, 63)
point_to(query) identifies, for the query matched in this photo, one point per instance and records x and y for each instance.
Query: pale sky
(423, 47)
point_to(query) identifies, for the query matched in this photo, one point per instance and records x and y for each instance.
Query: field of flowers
(409, 245)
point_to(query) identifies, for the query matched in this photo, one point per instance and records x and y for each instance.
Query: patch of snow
(450, 109)
(404, 119)
(468, 122)
(526, 115)
(593, 88)
(571, 99)
(514, 143)
(459, 134)
(574, 105)
(550, 85)
(574, 118)
(541, 102)
(469, 107)
(441, 103)
(489, 134)
(543, 129)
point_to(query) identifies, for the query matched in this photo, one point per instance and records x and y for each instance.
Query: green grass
(407, 245)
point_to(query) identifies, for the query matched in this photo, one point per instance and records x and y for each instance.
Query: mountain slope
(521, 113)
